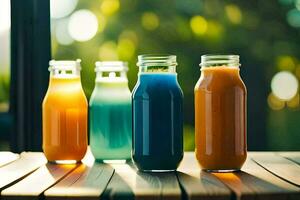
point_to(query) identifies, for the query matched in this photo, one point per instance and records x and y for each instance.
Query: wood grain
(85, 182)
(265, 175)
(198, 184)
(286, 191)
(14, 171)
(254, 182)
(128, 183)
(33, 186)
(293, 156)
(279, 166)
(7, 157)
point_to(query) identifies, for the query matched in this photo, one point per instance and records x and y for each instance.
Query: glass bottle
(157, 114)
(220, 114)
(65, 114)
(110, 113)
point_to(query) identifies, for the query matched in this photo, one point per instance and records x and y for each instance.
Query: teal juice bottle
(110, 113)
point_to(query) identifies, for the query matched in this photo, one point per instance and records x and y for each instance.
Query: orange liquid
(65, 119)
(220, 119)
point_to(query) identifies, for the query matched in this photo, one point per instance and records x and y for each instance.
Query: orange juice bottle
(65, 114)
(220, 114)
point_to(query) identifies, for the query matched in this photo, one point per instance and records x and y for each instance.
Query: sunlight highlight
(61, 32)
(126, 49)
(83, 25)
(198, 25)
(275, 103)
(66, 162)
(109, 7)
(284, 85)
(233, 13)
(108, 51)
(285, 63)
(4, 15)
(150, 21)
(60, 9)
(294, 102)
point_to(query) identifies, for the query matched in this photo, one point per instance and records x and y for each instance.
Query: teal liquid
(110, 121)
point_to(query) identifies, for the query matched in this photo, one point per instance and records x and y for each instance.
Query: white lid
(111, 66)
(65, 64)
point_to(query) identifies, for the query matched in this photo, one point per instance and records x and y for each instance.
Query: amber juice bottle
(220, 114)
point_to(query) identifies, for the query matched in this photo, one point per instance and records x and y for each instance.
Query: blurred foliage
(259, 31)
(264, 33)
(4, 92)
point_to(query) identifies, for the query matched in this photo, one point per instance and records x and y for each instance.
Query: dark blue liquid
(157, 122)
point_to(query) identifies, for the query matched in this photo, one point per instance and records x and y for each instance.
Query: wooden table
(266, 175)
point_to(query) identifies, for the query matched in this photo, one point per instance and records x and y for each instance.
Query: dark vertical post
(30, 53)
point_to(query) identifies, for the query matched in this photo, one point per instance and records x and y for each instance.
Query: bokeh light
(83, 25)
(129, 34)
(4, 15)
(297, 71)
(284, 85)
(62, 8)
(293, 18)
(198, 25)
(108, 51)
(285, 63)
(215, 30)
(126, 49)
(297, 4)
(294, 102)
(150, 21)
(275, 103)
(109, 7)
(233, 13)
(61, 32)
(101, 23)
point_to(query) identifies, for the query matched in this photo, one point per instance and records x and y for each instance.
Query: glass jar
(65, 114)
(220, 114)
(110, 113)
(157, 114)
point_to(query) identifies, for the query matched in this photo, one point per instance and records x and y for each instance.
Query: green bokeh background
(266, 34)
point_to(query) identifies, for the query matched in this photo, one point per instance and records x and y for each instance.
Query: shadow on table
(118, 188)
(204, 185)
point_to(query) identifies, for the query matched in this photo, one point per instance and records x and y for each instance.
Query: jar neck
(111, 71)
(221, 61)
(157, 69)
(111, 75)
(64, 68)
(63, 79)
(66, 81)
(63, 74)
(159, 63)
(221, 71)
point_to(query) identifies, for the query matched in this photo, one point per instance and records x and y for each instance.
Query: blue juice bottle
(110, 113)
(157, 104)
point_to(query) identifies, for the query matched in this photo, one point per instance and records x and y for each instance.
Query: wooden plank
(249, 187)
(85, 182)
(117, 188)
(198, 184)
(18, 169)
(279, 166)
(128, 183)
(32, 186)
(286, 191)
(254, 182)
(7, 157)
(292, 155)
